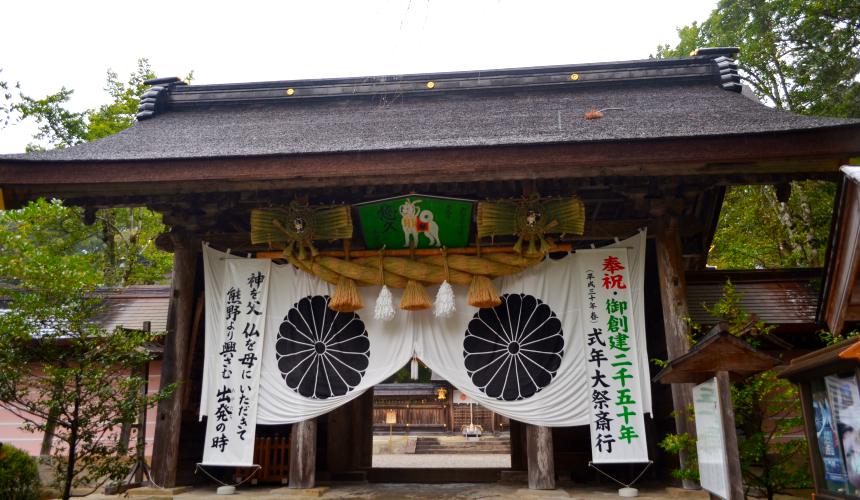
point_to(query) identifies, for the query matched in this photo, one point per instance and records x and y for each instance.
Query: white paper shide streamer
(383, 310)
(443, 306)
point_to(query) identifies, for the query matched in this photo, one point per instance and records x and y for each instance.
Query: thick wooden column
(303, 454)
(165, 451)
(730, 437)
(540, 458)
(673, 296)
(518, 445)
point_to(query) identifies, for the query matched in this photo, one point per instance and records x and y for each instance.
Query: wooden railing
(417, 415)
(272, 454)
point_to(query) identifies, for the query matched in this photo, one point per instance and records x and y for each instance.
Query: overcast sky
(45, 45)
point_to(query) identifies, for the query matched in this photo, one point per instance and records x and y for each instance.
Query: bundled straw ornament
(345, 298)
(531, 220)
(414, 296)
(443, 306)
(482, 293)
(298, 225)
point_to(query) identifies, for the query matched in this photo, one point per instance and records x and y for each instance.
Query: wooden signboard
(710, 445)
(416, 221)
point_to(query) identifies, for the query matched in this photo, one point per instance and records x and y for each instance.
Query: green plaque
(416, 221)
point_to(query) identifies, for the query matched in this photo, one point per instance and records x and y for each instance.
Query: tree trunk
(812, 256)
(787, 223)
(108, 237)
(73, 441)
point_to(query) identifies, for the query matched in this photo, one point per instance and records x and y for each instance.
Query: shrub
(19, 474)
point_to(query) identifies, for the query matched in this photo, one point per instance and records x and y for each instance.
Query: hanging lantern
(441, 394)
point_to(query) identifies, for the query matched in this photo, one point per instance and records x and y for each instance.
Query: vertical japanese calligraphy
(231, 423)
(608, 326)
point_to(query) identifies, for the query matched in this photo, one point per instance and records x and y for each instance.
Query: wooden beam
(541, 462)
(817, 150)
(843, 269)
(165, 452)
(673, 296)
(303, 454)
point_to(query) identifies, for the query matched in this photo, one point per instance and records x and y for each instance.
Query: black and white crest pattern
(513, 350)
(321, 353)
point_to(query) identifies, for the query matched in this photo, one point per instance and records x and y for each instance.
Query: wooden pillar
(673, 296)
(730, 437)
(303, 454)
(340, 440)
(165, 451)
(518, 447)
(362, 454)
(540, 457)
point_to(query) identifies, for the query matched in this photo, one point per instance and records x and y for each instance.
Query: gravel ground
(442, 461)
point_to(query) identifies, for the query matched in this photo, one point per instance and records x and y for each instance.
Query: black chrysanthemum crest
(513, 350)
(321, 353)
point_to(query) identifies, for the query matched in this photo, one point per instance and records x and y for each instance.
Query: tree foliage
(797, 56)
(127, 252)
(58, 366)
(59, 127)
(59, 370)
(760, 229)
(6, 105)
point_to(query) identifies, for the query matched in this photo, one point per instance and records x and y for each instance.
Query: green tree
(6, 104)
(58, 367)
(797, 56)
(760, 229)
(128, 253)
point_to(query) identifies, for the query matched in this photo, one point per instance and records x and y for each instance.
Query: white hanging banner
(526, 359)
(234, 351)
(522, 359)
(635, 246)
(608, 325)
(316, 359)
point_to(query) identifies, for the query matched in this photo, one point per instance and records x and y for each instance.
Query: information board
(710, 445)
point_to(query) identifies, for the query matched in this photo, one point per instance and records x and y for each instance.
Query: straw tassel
(414, 297)
(345, 298)
(482, 293)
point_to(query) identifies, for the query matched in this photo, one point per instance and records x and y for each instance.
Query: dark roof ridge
(716, 68)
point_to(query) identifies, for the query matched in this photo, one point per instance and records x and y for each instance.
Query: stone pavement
(473, 461)
(453, 491)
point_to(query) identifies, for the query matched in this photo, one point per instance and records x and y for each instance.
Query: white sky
(45, 45)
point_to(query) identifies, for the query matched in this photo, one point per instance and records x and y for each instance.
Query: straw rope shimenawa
(295, 228)
(365, 267)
